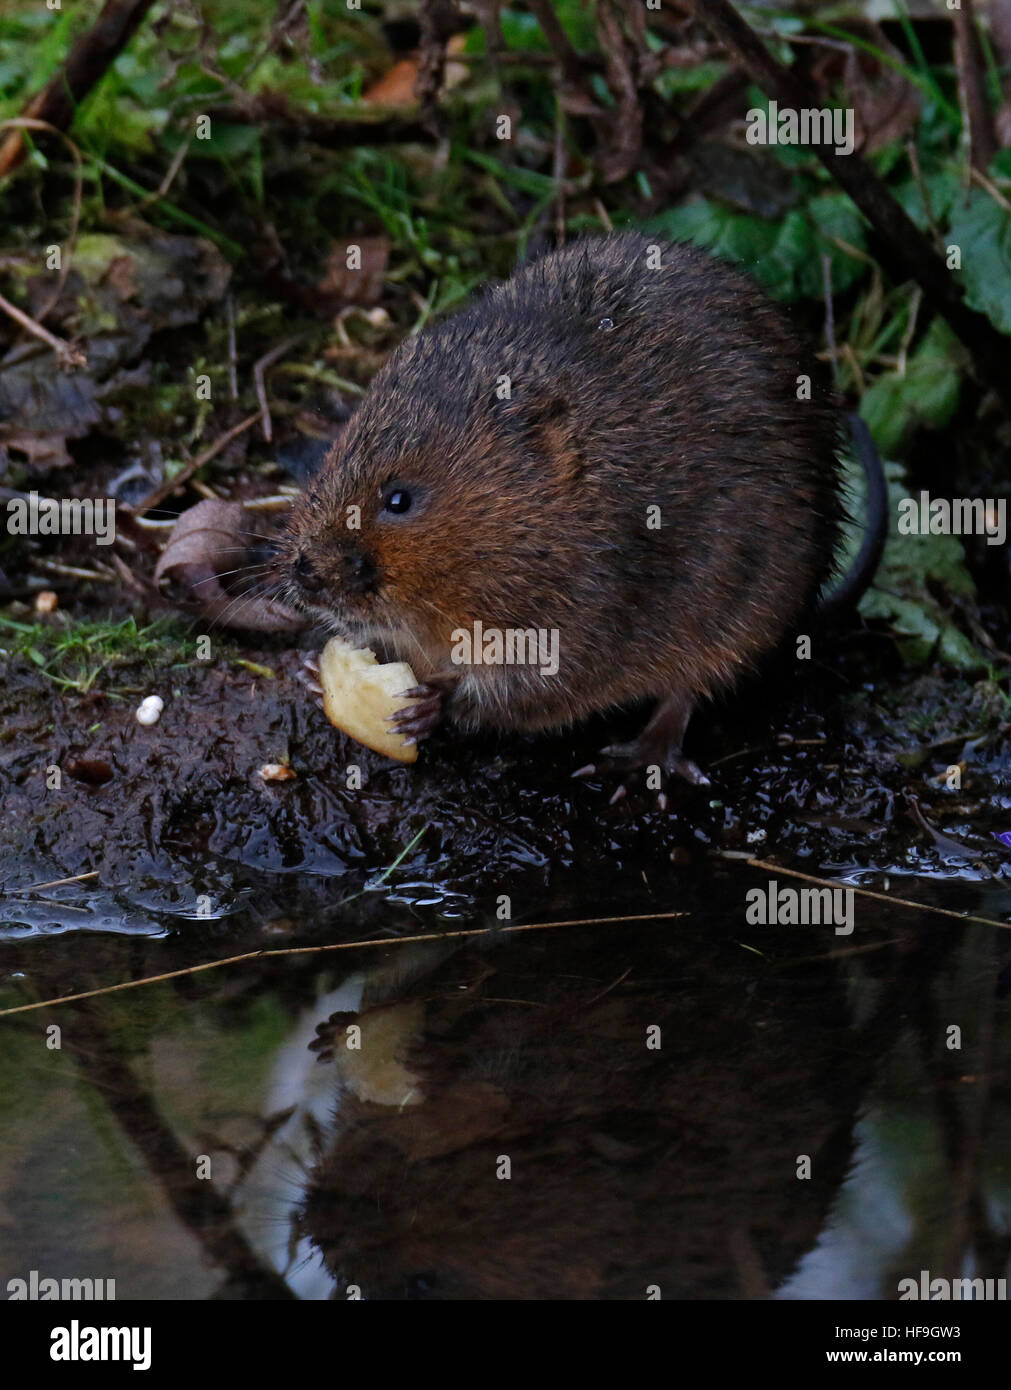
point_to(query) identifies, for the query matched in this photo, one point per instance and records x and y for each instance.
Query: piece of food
(277, 772)
(359, 695)
(149, 710)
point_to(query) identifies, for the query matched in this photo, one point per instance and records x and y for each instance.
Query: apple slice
(359, 694)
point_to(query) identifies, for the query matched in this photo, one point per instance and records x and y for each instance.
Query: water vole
(625, 445)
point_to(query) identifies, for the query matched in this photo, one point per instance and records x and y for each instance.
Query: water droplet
(606, 325)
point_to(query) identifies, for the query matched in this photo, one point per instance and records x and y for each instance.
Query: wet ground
(531, 1100)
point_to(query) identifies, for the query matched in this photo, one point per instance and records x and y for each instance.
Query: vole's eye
(399, 498)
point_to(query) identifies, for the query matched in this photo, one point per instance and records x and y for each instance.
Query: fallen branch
(905, 251)
(977, 118)
(86, 64)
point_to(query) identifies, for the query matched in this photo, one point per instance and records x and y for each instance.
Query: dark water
(654, 1086)
(703, 1103)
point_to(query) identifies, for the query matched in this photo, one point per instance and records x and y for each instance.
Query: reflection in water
(652, 1090)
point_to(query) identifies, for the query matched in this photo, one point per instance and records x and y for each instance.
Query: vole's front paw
(309, 677)
(417, 720)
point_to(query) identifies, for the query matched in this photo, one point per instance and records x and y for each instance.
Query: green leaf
(981, 228)
(926, 395)
(941, 188)
(912, 570)
(786, 255)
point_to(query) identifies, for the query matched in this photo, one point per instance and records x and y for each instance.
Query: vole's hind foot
(417, 720)
(634, 758)
(626, 759)
(658, 746)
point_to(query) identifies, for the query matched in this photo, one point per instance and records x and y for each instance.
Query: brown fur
(535, 508)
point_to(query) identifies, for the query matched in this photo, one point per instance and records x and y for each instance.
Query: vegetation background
(203, 278)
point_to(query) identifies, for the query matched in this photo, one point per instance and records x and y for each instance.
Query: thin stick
(261, 391)
(338, 946)
(977, 176)
(870, 893)
(833, 351)
(233, 380)
(559, 173)
(27, 123)
(69, 355)
(977, 118)
(155, 498)
(58, 882)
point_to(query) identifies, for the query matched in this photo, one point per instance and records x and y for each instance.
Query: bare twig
(341, 946)
(68, 353)
(233, 379)
(826, 275)
(29, 123)
(903, 248)
(59, 882)
(913, 155)
(259, 368)
(439, 20)
(977, 118)
(558, 41)
(86, 64)
(170, 175)
(978, 177)
(622, 151)
(888, 898)
(154, 499)
(559, 174)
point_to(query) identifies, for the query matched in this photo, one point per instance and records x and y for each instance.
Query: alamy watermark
(812, 125)
(957, 516)
(510, 646)
(77, 1343)
(943, 1290)
(33, 515)
(800, 907)
(42, 1288)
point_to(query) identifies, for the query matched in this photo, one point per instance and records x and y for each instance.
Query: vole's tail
(851, 587)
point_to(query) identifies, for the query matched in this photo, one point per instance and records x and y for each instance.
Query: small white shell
(149, 710)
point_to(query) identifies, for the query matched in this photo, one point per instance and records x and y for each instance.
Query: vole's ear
(551, 432)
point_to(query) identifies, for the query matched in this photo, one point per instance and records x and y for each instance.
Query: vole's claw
(416, 720)
(629, 756)
(631, 760)
(309, 677)
(691, 772)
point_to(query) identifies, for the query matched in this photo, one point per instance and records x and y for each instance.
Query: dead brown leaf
(363, 284)
(209, 542)
(396, 87)
(42, 452)
(886, 104)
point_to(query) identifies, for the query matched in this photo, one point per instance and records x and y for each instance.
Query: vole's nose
(350, 570)
(359, 573)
